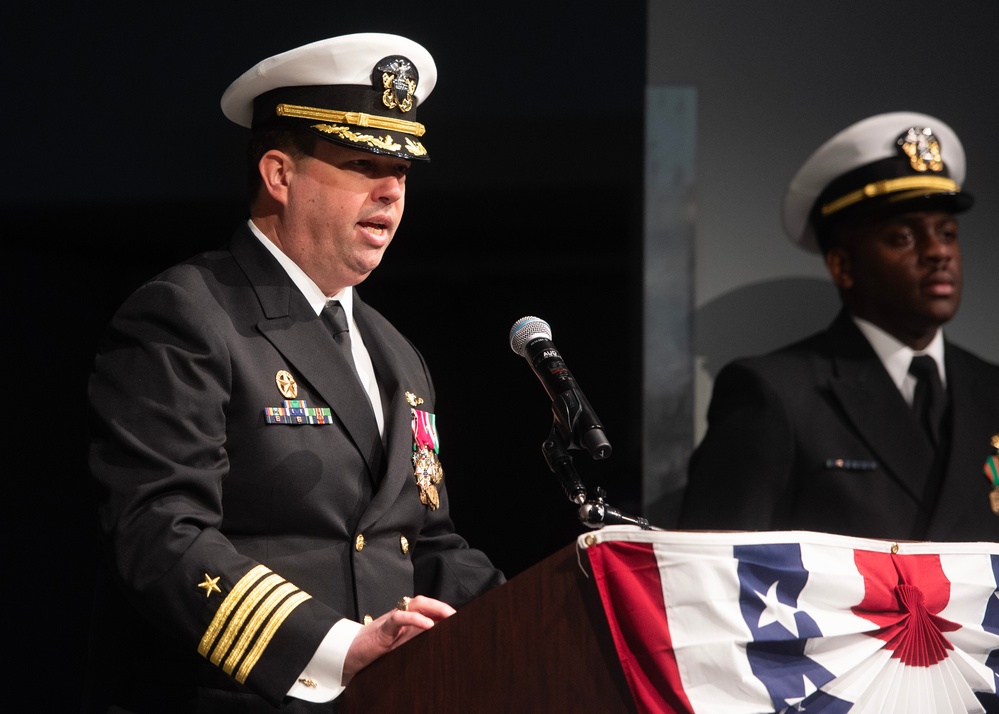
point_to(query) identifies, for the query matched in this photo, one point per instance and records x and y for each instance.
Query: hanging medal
(992, 474)
(427, 467)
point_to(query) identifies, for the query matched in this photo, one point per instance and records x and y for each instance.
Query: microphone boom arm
(560, 462)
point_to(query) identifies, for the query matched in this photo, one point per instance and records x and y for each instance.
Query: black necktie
(365, 428)
(336, 322)
(928, 401)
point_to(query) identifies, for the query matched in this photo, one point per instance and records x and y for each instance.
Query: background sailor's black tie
(929, 401)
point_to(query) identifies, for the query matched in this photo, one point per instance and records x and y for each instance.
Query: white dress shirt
(896, 357)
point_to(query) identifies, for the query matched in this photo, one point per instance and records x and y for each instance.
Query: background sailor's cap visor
(897, 204)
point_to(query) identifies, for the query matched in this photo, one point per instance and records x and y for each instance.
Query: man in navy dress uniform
(877, 426)
(265, 449)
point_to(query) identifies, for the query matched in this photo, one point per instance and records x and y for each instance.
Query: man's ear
(276, 168)
(838, 263)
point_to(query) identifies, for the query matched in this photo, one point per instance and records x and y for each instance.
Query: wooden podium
(539, 643)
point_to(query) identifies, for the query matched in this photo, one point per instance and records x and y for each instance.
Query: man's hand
(391, 630)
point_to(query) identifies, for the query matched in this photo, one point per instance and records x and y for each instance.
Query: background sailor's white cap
(359, 90)
(887, 163)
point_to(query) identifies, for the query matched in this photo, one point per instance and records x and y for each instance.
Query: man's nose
(937, 246)
(388, 189)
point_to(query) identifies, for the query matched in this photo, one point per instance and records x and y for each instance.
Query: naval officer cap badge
(361, 91)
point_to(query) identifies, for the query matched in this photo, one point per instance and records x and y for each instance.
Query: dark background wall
(119, 163)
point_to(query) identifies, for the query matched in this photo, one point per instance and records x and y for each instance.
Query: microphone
(530, 337)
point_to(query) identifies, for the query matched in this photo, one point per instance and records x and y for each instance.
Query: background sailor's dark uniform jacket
(816, 436)
(192, 484)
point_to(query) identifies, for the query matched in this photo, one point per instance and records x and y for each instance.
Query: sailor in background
(877, 426)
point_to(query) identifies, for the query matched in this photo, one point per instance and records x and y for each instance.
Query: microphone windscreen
(526, 329)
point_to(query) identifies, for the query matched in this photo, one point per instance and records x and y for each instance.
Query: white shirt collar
(306, 284)
(316, 298)
(896, 356)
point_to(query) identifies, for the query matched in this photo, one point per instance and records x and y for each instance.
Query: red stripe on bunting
(627, 578)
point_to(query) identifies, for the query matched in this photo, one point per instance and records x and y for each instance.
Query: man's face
(343, 208)
(902, 273)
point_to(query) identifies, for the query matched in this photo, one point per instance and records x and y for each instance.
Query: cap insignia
(399, 79)
(923, 149)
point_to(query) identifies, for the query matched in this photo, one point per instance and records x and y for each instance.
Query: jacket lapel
(877, 410)
(964, 490)
(301, 337)
(398, 420)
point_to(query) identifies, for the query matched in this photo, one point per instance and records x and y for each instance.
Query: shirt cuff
(320, 680)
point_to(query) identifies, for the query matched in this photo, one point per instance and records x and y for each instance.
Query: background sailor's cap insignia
(922, 147)
(399, 78)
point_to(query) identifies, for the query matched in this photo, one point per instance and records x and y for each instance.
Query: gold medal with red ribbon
(426, 464)
(992, 474)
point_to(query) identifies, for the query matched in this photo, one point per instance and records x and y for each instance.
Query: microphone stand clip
(593, 513)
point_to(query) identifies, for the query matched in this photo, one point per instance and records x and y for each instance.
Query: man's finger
(434, 609)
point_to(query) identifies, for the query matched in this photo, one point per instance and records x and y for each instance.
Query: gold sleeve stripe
(265, 637)
(296, 111)
(227, 606)
(242, 614)
(258, 620)
(880, 188)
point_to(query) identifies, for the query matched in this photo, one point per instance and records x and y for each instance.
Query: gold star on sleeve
(210, 585)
